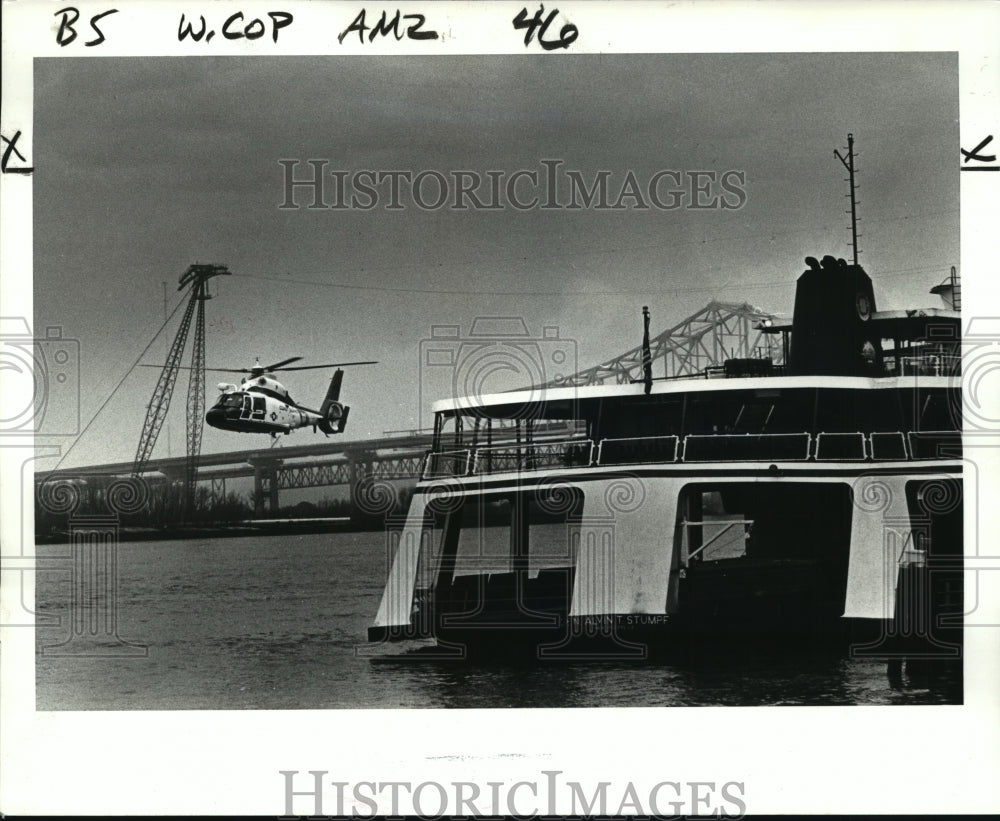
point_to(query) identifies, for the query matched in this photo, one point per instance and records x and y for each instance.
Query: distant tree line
(163, 506)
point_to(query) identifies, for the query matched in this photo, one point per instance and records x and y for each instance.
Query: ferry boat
(812, 494)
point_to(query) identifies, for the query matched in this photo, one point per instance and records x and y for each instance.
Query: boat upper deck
(764, 419)
(851, 384)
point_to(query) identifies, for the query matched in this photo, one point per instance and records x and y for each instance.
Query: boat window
(630, 419)
(727, 414)
(554, 531)
(841, 410)
(754, 417)
(883, 410)
(489, 427)
(752, 521)
(502, 432)
(494, 538)
(704, 417)
(935, 413)
(447, 436)
(789, 412)
(484, 539)
(872, 410)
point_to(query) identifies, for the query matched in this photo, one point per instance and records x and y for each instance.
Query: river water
(280, 622)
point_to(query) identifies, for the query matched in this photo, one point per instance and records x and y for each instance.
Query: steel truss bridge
(356, 464)
(719, 331)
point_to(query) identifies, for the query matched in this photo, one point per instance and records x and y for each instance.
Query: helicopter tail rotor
(333, 412)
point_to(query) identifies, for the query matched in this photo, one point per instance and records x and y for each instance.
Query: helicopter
(261, 404)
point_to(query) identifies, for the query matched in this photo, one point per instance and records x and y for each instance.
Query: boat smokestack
(831, 334)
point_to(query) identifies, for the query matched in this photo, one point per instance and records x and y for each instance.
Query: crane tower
(196, 279)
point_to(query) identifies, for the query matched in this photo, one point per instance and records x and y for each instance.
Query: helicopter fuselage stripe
(249, 426)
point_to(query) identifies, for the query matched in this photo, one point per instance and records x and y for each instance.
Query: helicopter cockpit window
(232, 401)
(259, 407)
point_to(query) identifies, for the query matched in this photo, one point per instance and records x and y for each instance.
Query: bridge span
(328, 463)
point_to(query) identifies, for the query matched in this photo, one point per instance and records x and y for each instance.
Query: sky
(147, 165)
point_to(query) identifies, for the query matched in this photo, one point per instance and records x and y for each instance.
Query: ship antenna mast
(647, 357)
(849, 165)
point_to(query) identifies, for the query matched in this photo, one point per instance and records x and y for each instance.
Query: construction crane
(196, 278)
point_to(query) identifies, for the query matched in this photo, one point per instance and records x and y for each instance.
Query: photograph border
(864, 759)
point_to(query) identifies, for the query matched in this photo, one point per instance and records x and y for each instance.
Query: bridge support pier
(265, 486)
(218, 489)
(359, 468)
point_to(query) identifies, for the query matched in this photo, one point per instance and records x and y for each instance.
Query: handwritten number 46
(567, 34)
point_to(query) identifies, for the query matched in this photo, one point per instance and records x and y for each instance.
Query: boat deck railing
(534, 456)
(834, 446)
(930, 364)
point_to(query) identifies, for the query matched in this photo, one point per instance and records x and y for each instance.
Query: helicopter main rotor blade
(189, 368)
(277, 365)
(330, 365)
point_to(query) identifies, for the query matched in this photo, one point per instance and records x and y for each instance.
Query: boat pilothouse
(798, 495)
